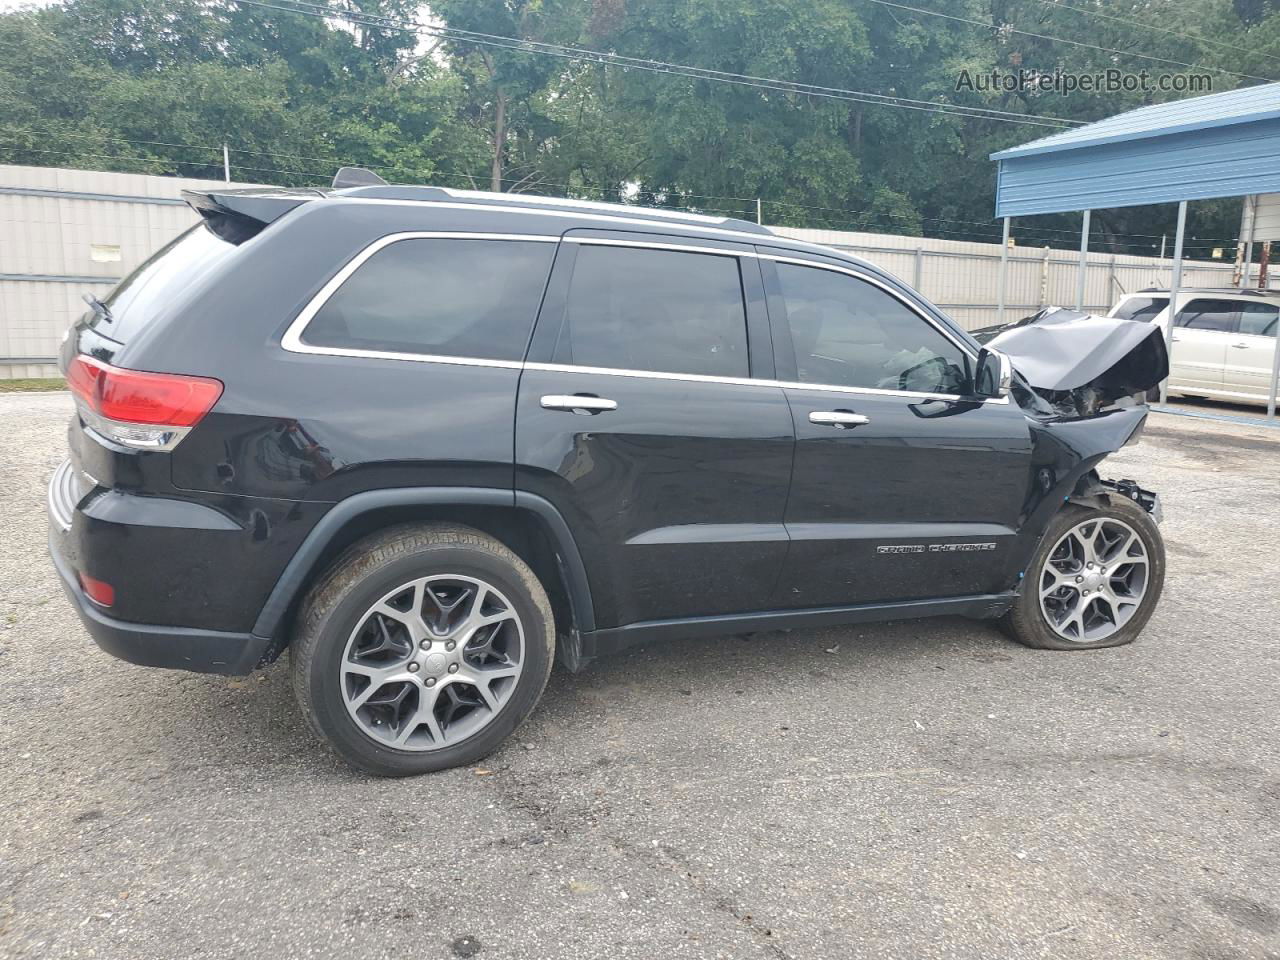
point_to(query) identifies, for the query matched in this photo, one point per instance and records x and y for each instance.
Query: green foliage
(158, 86)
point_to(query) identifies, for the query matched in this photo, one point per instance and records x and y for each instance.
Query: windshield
(1140, 308)
(139, 297)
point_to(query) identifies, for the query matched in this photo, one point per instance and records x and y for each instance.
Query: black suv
(427, 439)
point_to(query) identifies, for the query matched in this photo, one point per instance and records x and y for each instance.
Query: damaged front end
(1082, 383)
(1075, 365)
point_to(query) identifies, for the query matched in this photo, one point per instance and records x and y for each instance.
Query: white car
(1224, 340)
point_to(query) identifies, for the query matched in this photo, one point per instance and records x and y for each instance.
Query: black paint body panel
(696, 506)
(902, 478)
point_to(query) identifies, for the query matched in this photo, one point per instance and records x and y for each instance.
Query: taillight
(140, 409)
(99, 591)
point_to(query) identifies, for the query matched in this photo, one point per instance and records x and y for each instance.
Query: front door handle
(840, 419)
(578, 403)
(1240, 346)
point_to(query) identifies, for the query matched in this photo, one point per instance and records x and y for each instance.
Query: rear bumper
(151, 645)
(178, 648)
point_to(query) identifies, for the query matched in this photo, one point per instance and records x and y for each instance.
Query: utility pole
(759, 215)
(226, 163)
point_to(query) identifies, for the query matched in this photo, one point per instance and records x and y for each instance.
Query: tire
(391, 637)
(1029, 621)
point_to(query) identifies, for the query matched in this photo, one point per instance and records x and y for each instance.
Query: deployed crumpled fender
(1081, 364)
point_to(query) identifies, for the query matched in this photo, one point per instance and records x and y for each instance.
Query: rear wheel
(422, 648)
(1094, 580)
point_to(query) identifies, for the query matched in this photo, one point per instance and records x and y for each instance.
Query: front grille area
(65, 490)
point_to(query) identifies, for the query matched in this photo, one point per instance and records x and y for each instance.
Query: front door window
(849, 333)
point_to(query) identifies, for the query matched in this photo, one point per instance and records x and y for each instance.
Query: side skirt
(599, 643)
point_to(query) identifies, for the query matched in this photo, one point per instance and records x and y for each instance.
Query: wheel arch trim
(300, 569)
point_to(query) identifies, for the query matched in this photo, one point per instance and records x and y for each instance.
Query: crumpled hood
(1060, 350)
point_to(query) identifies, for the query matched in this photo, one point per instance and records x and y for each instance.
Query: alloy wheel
(432, 662)
(1094, 580)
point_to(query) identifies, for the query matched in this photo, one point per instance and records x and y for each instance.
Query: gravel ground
(914, 790)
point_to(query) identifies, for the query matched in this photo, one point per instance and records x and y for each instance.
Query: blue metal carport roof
(1222, 145)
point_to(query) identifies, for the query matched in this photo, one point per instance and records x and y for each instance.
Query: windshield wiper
(100, 308)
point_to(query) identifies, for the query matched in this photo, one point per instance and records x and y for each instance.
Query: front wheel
(1094, 581)
(422, 648)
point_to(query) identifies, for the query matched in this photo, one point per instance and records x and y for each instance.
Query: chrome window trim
(741, 381)
(292, 339)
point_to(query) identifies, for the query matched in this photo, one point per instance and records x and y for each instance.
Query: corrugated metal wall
(64, 233)
(1267, 222)
(964, 278)
(1227, 161)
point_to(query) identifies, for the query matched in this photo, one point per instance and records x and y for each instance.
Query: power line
(986, 226)
(322, 11)
(1074, 43)
(1196, 38)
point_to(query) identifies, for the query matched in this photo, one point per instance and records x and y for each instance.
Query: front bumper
(150, 645)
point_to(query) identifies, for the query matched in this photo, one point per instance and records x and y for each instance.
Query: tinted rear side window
(1140, 308)
(449, 298)
(660, 310)
(1208, 315)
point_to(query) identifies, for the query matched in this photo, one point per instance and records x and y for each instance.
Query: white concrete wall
(52, 221)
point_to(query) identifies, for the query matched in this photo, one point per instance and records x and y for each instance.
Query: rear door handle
(578, 403)
(841, 419)
(1240, 346)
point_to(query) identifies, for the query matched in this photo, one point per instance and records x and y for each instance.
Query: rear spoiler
(237, 215)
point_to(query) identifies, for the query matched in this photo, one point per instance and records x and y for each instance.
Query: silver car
(1224, 341)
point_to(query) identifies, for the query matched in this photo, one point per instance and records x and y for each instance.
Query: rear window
(139, 297)
(1140, 308)
(450, 298)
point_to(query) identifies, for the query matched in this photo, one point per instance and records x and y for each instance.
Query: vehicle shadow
(1218, 406)
(227, 723)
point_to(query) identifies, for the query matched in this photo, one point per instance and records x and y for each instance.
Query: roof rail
(429, 194)
(1234, 291)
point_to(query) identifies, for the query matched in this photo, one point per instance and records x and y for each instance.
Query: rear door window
(1208, 315)
(667, 311)
(439, 297)
(1258, 319)
(1140, 308)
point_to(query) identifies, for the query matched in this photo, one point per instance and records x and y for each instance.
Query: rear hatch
(121, 409)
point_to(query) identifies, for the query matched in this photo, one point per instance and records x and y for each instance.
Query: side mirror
(994, 376)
